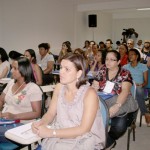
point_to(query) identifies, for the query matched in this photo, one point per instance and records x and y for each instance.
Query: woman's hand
(113, 110)
(35, 125)
(8, 115)
(95, 85)
(44, 131)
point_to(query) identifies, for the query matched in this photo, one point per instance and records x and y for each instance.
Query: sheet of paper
(23, 131)
(109, 86)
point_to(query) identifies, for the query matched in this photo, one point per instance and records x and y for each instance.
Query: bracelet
(54, 133)
(118, 104)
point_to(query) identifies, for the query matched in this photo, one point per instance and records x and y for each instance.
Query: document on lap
(23, 134)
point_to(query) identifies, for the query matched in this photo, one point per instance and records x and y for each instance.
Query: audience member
(146, 53)
(64, 50)
(118, 45)
(109, 44)
(86, 45)
(123, 50)
(4, 64)
(37, 71)
(111, 78)
(102, 46)
(98, 61)
(89, 54)
(130, 44)
(21, 99)
(75, 111)
(139, 45)
(13, 55)
(139, 74)
(95, 49)
(46, 62)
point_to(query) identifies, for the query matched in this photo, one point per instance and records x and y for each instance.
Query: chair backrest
(45, 89)
(133, 90)
(105, 115)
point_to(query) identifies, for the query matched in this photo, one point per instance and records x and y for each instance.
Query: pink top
(34, 73)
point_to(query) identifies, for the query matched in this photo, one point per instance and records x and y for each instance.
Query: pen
(25, 131)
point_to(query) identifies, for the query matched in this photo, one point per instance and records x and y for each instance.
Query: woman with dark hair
(13, 55)
(37, 71)
(86, 45)
(123, 50)
(21, 99)
(73, 111)
(4, 64)
(64, 50)
(113, 79)
(99, 61)
(139, 72)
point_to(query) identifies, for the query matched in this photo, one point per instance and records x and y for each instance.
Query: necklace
(18, 88)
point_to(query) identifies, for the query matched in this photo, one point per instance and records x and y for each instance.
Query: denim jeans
(140, 99)
(4, 128)
(119, 126)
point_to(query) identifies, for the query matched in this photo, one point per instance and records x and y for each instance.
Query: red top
(124, 60)
(123, 75)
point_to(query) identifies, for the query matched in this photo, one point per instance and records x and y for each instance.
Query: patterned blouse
(123, 75)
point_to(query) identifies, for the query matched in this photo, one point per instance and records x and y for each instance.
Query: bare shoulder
(91, 94)
(91, 91)
(36, 66)
(58, 87)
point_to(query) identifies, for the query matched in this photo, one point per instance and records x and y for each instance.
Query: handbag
(130, 105)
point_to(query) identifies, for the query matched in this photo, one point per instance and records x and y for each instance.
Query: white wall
(111, 25)
(140, 21)
(102, 32)
(27, 23)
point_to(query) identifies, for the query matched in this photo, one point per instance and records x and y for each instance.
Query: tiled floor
(142, 139)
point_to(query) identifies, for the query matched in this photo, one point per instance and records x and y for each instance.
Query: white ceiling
(113, 5)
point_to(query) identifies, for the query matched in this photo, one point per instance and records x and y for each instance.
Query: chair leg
(133, 133)
(30, 147)
(140, 120)
(128, 139)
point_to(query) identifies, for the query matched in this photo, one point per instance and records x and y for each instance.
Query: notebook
(22, 134)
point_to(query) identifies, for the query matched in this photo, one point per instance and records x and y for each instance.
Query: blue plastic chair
(105, 116)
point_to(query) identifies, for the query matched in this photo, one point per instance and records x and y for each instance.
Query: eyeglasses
(130, 43)
(111, 60)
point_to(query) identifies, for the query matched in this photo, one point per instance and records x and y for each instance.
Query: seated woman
(139, 74)
(37, 71)
(21, 99)
(118, 81)
(98, 61)
(74, 111)
(4, 64)
(64, 50)
(123, 50)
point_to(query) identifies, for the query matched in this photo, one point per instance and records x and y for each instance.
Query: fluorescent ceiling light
(143, 9)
